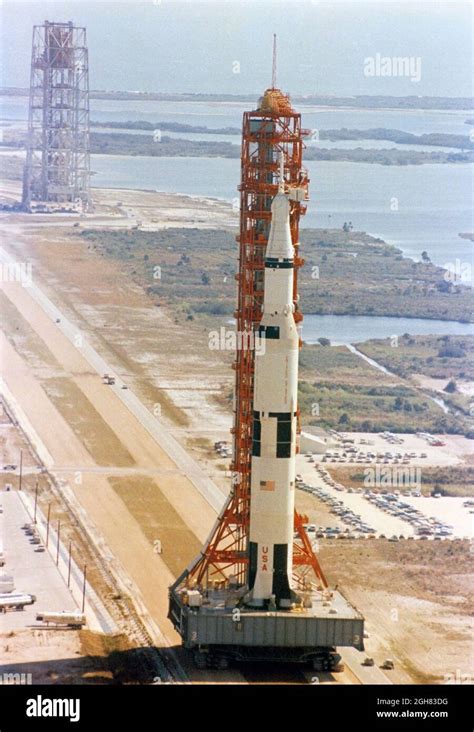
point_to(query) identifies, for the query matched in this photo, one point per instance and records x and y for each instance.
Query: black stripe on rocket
(272, 332)
(283, 440)
(274, 263)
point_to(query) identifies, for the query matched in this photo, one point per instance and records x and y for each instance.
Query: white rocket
(272, 487)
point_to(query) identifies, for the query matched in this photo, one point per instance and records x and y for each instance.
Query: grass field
(440, 357)
(158, 520)
(345, 273)
(339, 389)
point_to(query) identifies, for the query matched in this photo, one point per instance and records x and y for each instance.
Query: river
(347, 329)
(417, 207)
(229, 114)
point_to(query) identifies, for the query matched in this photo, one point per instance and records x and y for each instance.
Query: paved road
(188, 466)
(97, 616)
(366, 674)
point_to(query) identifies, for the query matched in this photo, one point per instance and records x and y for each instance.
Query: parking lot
(366, 513)
(396, 449)
(34, 572)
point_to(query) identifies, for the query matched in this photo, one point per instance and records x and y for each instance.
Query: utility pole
(69, 565)
(84, 588)
(57, 548)
(47, 524)
(21, 471)
(36, 502)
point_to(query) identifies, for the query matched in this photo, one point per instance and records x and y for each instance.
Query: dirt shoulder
(415, 597)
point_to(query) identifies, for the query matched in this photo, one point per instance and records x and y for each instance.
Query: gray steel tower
(57, 168)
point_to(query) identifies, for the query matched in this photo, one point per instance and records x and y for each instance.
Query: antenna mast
(274, 64)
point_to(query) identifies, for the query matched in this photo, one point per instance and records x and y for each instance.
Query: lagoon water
(415, 207)
(229, 114)
(344, 329)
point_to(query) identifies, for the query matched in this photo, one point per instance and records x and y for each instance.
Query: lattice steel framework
(57, 168)
(273, 129)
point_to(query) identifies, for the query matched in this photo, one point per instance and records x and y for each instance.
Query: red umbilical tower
(274, 129)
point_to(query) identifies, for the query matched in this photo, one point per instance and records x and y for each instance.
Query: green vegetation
(440, 357)
(336, 389)
(446, 357)
(107, 143)
(392, 156)
(190, 269)
(110, 143)
(437, 139)
(337, 365)
(348, 273)
(168, 127)
(130, 144)
(345, 273)
(457, 481)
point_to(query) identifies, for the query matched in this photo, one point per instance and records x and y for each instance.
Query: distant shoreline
(366, 102)
(132, 145)
(187, 149)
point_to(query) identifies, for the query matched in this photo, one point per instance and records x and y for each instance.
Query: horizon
(300, 97)
(173, 46)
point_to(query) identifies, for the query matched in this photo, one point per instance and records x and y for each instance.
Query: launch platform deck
(220, 622)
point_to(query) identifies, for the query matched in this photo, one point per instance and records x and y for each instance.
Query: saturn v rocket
(274, 421)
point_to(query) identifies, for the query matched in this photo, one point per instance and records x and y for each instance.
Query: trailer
(15, 602)
(74, 620)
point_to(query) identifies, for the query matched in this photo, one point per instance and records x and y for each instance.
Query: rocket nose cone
(279, 241)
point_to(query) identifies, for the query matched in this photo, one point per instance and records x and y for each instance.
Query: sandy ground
(118, 207)
(427, 382)
(142, 343)
(62, 444)
(448, 509)
(44, 656)
(108, 513)
(415, 597)
(94, 491)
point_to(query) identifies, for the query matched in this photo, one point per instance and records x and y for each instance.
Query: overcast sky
(172, 45)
